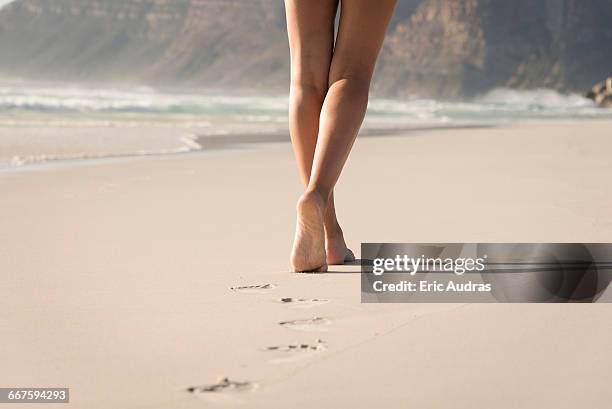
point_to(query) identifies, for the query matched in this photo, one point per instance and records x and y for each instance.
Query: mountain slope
(183, 42)
(434, 48)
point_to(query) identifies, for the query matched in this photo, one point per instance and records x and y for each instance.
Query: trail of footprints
(280, 353)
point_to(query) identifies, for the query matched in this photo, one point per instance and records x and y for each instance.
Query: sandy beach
(144, 282)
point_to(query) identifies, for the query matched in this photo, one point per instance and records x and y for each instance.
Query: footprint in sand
(253, 289)
(294, 352)
(224, 391)
(316, 324)
(303, 302)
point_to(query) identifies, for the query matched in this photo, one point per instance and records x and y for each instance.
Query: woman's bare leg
(311, 54)
(363, 24)
(310, 26)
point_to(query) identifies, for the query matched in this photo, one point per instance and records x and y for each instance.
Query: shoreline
(201, 143)
(196, 143)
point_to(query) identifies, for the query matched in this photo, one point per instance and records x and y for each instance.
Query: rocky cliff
(457, 48)
(449, 48)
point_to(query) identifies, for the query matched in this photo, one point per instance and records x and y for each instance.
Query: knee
(308, 84)
(357, 86)
(355, 81)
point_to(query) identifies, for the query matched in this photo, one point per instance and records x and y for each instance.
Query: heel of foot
(309, 247)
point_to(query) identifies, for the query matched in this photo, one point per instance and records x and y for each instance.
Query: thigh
(362, 30)
(310, 26)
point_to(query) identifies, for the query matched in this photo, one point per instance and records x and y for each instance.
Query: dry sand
(117, 275)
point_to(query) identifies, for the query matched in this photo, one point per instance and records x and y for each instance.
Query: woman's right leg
(310, 25)
(363, 24)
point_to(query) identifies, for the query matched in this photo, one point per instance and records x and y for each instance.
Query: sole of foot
(308, 254)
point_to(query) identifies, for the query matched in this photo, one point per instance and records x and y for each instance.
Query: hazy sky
(3, 2)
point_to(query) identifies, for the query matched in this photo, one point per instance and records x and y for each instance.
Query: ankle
(311, 208)
(313, 197)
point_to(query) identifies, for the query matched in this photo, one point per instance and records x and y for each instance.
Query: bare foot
(335, 247)
(308, 252)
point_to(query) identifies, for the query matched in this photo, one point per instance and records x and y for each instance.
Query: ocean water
(40, 123)
(66, 106)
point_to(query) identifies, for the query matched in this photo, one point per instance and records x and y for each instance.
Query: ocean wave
(497, 106)
(543, 98)
(138, 100)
